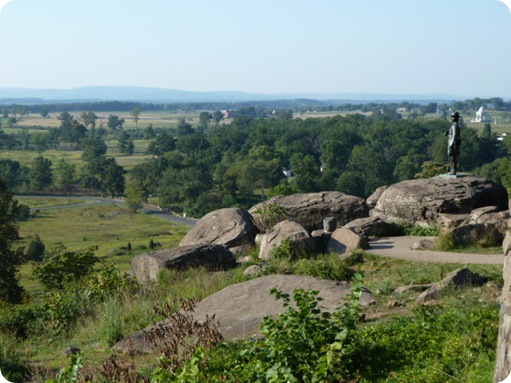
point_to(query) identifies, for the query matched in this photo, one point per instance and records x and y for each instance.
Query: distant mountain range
(141, 94)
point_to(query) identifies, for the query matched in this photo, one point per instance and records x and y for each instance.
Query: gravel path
(399, 247)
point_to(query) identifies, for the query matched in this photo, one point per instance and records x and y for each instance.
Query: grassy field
(158, 119)
(109, 228)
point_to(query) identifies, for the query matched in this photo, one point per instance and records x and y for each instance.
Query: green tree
(41, 175)
(54, 137)
(114, 123)
(36, 249)
(13, 174)
(178, 186)
(93, 146)
(184, 128)
(498, 171)
(149, 132)
(431, 169)
(10, 259)
(89, 119)
(105, 175)
(70, 130)
(218, 116)
(307, 173)
(125, 144)
(40, 141)
(205, 118)
(135, 195)
(64, 176)
(24, 138)
(7, 141)
(163, 143)
(135, 113)
(148, 175)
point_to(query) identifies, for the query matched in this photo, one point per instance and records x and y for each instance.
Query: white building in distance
(481, 115)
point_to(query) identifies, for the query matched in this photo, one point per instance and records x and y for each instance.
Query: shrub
(286, 250)
(445, 242)
(329, 267)
(21, 320)
(61, 266)
(36, 249)
(421, 231)
(435, 344)
(70, 373)
(179, 338)
(24, 213)
(305, 344)
(326, 266)
(271, 214)
(11, 364)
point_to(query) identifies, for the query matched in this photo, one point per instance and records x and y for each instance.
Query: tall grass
(111, 320)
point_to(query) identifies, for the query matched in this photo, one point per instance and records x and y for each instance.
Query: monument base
(452, 175)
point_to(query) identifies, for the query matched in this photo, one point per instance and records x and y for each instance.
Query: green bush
(286, 250)
(36, 249)
(24, 213)
(271, 214)
(71, 373)
(61, 266)
(21, 321)
(304, 344)
(326, 266)
(434, 345)
(421, 231)
(11, 361)
(445, 242)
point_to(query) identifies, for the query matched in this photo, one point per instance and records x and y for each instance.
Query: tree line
(196, 169)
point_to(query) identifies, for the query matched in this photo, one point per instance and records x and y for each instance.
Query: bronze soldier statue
(454, 142)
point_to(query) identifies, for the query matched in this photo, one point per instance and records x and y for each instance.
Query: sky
(453, 47)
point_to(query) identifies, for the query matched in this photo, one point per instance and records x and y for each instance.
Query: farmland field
(156, 118)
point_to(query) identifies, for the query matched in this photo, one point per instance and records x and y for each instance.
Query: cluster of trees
(100, 173)
(212, 165)
(197, 170)
(261, 108)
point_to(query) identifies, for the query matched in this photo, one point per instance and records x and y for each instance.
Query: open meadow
(158, 119)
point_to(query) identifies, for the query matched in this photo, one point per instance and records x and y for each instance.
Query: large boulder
(344, 240)
(231, 227)
(300, 238)
(213, 257)
(240, 308)
(368, 227)
(421, 202)
(459, 279)
(310, 209)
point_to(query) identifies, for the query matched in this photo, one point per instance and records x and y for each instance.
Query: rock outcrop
(458, 278)
(231, 227)
(310, 209)
(213, 257)
(296, 233)
(240, 308)
(420, 202)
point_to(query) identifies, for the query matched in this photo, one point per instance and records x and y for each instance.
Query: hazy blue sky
(455, 47)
